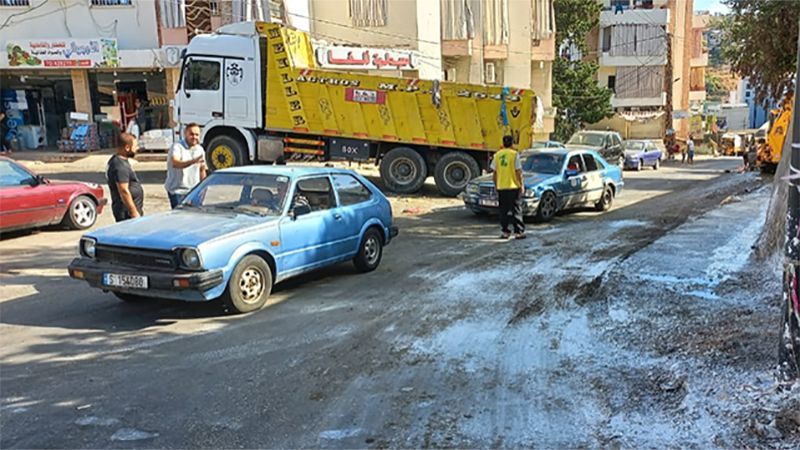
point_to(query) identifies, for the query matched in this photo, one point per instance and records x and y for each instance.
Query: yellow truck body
(304, 99)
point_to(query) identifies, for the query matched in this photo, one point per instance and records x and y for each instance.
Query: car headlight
(87, 247)
(190, 258)
(472, 189)
(530, 193)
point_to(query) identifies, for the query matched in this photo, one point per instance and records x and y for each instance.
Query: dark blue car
(640, 154)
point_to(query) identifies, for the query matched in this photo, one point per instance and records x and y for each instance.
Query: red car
(28, 200)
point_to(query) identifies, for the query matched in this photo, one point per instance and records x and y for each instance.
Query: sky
(714, 6)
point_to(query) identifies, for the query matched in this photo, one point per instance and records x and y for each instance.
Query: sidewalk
(54, 156)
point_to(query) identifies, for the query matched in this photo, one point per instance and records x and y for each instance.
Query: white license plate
(127, 281)
(491, 203)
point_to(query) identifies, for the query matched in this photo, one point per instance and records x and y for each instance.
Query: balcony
(697, 96)
(638, 61)
(635, 17)
(545, 51)
(700, 61)
(457, 48)
(633, 102)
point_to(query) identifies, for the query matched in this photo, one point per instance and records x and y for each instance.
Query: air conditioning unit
(450, 74)
(491, 72)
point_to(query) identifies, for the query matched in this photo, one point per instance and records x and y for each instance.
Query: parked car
(607, 143)
(641, 153)
(28, 200)
(546, 144)
(238, 233)
(555, 179)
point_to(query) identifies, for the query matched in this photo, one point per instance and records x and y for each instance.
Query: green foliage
(715, 88)
(759, 41)
(577, 96)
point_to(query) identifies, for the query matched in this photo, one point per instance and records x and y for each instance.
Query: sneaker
(505, 235)
(520, 236)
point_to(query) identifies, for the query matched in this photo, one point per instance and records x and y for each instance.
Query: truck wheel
(249, 286)
(403, 170)
(453, 172)
(223, 152)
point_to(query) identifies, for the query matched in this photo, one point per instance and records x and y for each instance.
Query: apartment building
(652, 55)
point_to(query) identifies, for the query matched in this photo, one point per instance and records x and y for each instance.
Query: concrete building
(651, 54)
(85, 56)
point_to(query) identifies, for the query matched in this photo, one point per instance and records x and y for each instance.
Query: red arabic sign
(365, 96)
(365, 58)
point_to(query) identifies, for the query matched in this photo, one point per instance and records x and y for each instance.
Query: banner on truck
(60, 53)
(339, 57)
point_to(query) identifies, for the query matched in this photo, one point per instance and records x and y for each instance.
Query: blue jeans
(175, 199)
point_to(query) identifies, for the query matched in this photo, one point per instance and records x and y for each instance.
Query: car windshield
(550, 163)
(592, 139)
(633, 145)
(256, 194)
(539, 145)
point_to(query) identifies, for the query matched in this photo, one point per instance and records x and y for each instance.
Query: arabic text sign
(365, 96)
(59, 53)
(334, 57)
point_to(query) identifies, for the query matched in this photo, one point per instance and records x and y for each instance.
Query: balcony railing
(112, 2)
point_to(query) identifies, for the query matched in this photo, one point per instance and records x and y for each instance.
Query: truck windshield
(549, 163)
(256, 194)
(592, 139)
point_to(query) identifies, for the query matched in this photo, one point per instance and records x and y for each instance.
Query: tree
(576, 94)
(759, 41)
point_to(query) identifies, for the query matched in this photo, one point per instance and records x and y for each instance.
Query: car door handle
(216, 114)
(337, 216)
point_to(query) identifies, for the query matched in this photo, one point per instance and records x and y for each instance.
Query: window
(351, 191)
(591, 164)
(112, 2)
(201, 75)
(369, 13)
(576, 163)
(15, 3)
(615, 140)
(12, 175)
(316, 192)
(612, 82)
(606, 39)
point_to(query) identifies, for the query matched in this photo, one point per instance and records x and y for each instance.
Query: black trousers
(510, 209)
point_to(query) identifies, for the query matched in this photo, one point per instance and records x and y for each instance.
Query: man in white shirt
(186, 166)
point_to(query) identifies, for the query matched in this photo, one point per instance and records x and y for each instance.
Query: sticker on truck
(365, 96)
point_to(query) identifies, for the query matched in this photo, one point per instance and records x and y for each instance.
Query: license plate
(126, 281)
(491, 203)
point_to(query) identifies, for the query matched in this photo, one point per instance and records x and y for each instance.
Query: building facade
(652, 56)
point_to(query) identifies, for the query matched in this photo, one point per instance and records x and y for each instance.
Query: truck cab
(219, 89)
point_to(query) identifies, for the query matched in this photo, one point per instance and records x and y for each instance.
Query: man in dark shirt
(127, 195)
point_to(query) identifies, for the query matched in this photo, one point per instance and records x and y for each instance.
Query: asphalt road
(336, 359)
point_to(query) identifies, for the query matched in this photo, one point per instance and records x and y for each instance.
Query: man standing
(690, 150)
(186, 165)
(127, 195)
(507, 174)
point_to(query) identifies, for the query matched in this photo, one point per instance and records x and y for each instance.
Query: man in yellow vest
(507, 174)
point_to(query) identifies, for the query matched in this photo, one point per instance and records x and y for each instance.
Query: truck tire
(453, 172)
(403, 170)
(223, 152)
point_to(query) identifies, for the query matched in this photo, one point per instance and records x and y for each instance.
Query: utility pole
(668, 83)
(789, 350)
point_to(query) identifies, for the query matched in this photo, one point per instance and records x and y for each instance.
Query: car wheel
(370, 251)
(604, 204)
(223, 152)
(639, 165)
(453, 172)
(403, 170)
(657, 164)
(249, 286)
(81, 214)
(547, 207)
(130, 298)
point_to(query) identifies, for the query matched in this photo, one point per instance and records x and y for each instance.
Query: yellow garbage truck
(258, 94)
(769, 153)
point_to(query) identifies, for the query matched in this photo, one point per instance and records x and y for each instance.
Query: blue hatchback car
(555, 179)
(238, 233)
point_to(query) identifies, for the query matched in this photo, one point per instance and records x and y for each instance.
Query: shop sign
(60, 53)
(335, 57)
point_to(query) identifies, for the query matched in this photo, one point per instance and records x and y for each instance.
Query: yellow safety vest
(505, 166)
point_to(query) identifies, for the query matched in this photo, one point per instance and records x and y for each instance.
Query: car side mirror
(569, 173)
(300, 210)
